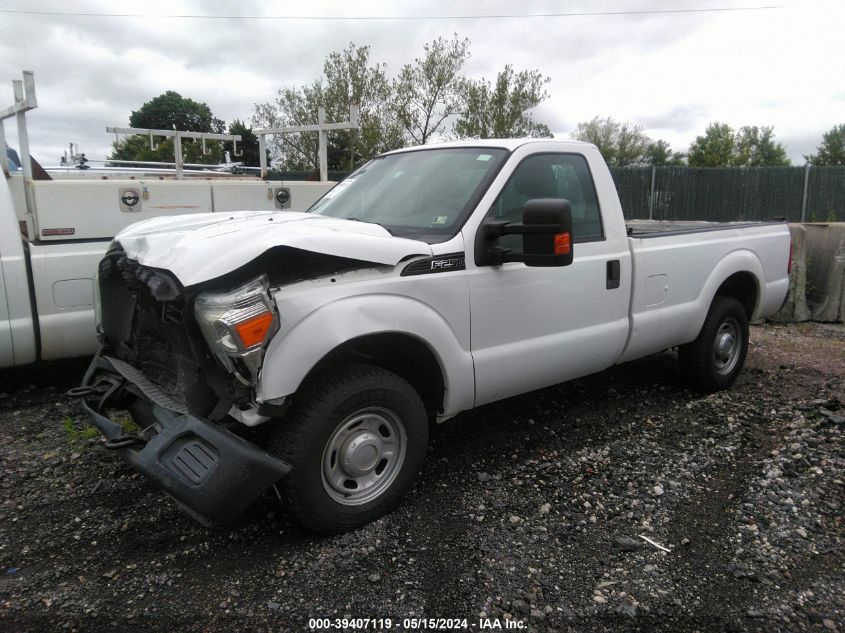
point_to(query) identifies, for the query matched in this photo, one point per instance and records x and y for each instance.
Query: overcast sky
(672, 73)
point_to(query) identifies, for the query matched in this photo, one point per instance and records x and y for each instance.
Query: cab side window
(551, 176)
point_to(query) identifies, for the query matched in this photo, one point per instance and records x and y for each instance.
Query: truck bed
(659, 228)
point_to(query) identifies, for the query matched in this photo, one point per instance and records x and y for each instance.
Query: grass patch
(75, 436)
(127, 423)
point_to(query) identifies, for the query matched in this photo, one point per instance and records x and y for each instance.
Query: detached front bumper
(211, 472)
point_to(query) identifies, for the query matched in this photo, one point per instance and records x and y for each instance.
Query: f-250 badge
(438, 264)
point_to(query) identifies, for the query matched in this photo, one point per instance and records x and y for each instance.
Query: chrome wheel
(727, 346)
(363, 456)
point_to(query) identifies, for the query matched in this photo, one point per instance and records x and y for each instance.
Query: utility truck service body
(310, 350)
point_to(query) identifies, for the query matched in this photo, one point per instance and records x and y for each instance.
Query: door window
(564, 176)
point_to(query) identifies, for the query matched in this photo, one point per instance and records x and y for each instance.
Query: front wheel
(355, 439)
(714, 359)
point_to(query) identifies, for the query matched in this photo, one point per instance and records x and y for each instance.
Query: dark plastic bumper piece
(212, 472)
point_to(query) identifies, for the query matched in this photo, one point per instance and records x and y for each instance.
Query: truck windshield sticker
(484, 157)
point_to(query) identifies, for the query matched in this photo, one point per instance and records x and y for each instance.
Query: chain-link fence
(728, 194)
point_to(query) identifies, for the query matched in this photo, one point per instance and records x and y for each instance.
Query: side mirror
(546, 231)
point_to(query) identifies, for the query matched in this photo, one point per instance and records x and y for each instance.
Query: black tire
(703, 362)
(330, 404)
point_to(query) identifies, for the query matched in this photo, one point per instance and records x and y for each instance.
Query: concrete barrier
(817, 280)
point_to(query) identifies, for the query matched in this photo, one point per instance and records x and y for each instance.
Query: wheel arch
(737, 275)
(744, 287)
(405, 355)
(397, 333)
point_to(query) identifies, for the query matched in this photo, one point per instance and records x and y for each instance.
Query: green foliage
(756, 147)
(501, 110)
(660, 154)
(428, 91)
(715, 148)
(624, 144)
(752, 146)
(831, 216)
(413, 108)
(137, 147)
(127, 423)
(171, 111)
(248, 144)
(832, 149)
(348, 78)
(73, 436)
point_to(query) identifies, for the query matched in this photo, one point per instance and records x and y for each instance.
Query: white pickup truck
(311, 350)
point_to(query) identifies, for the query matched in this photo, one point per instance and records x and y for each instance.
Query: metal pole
(651, 194)
(262, 152)
(23, 142)
(804, 198)
(322, 150)
(177, 149)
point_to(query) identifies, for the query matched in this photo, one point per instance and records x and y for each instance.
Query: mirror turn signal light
(562, 244)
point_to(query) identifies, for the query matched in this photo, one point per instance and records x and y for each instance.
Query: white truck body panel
(672, 293)
(92, 208)
(17, 327)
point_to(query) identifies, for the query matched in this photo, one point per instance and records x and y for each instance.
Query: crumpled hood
(202, 246)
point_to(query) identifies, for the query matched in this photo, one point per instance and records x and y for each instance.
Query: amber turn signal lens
(562, 246)
(253, 331)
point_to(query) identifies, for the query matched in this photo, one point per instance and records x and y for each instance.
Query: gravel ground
(529, 510)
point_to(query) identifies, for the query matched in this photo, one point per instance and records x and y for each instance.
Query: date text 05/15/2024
(415, 624)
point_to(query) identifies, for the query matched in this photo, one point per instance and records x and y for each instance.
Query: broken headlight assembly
(237, 325)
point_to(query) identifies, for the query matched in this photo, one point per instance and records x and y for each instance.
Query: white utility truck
(54, 229)
(310, 350)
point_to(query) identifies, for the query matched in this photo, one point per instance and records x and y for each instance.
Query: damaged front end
(169, 357)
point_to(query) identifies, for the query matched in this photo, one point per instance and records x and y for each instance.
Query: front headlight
(237, 325)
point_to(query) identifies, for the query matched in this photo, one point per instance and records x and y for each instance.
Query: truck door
(536, 326)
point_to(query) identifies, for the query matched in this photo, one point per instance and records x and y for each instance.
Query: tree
(755, 147)
(621, 144)
(428, 91)
(248, 144)
(832, 149)
(348, 79)
(752, 146)
(715, 148)
(501, 110)
(660, 154)
(171, 111)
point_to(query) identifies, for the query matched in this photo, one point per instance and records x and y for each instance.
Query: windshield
(422, 194)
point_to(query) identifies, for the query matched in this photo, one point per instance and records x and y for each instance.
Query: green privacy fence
(728, 194)
(716, 194)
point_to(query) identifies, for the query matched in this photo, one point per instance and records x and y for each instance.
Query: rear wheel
(355, 441)
(714, 359)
